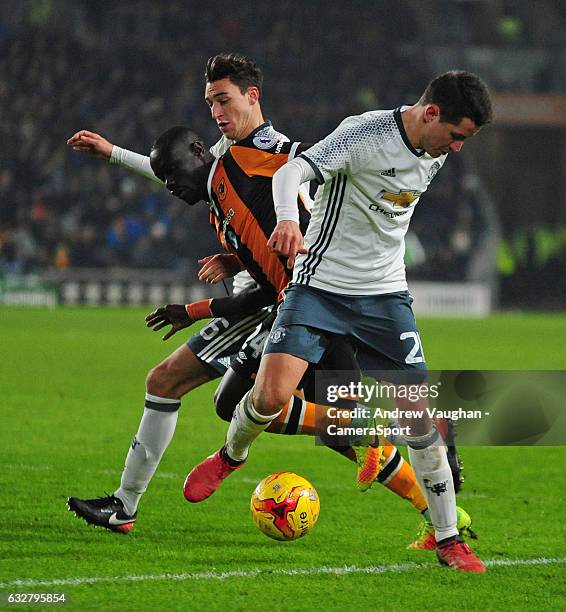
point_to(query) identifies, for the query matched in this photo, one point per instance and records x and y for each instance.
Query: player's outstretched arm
(216, 268)
(95, 144)
(91, 143)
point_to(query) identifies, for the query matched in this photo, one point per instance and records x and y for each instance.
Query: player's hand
(89, 142)
(216, 268)
(288, 241)
(173, 314)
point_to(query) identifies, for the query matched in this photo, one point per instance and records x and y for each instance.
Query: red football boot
(207, 476)
(458, 554)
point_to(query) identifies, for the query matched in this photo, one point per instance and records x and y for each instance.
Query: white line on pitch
(100, 472)
(166, 475)
(254, 573)
(41, 467)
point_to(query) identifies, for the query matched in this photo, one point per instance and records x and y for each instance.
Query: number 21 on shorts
(416, 354)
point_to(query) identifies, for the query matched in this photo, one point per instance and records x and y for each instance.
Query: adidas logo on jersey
(390, 172)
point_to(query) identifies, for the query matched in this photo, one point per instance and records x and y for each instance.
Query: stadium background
(495, 215)
(75, 230)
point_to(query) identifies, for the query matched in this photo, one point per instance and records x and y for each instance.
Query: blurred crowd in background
(129, 70)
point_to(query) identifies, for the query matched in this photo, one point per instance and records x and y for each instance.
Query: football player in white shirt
(349, 278)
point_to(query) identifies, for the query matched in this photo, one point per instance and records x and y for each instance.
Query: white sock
(152, 439)
(245, 427)
(435, 478)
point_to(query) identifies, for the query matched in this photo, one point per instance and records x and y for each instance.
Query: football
(285, 506)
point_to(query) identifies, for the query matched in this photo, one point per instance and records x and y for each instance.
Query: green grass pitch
(72, 385)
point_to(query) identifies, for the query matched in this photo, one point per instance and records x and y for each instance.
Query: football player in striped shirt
(233, 88)
(349, 278)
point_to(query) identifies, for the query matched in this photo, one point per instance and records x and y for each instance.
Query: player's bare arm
(216, 268)
(96, 145)
(92, 143)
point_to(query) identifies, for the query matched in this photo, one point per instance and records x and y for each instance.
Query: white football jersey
(371, 180)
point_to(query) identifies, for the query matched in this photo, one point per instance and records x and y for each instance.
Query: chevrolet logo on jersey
(403, 198)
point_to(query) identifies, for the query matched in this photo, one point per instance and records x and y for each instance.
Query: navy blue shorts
(382, 328)
(339, 356)
(221, 339)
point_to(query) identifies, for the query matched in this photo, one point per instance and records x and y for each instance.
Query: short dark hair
(242, 71)
(459, 94)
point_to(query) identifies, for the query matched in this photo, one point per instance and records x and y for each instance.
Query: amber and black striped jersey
(241, 203)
